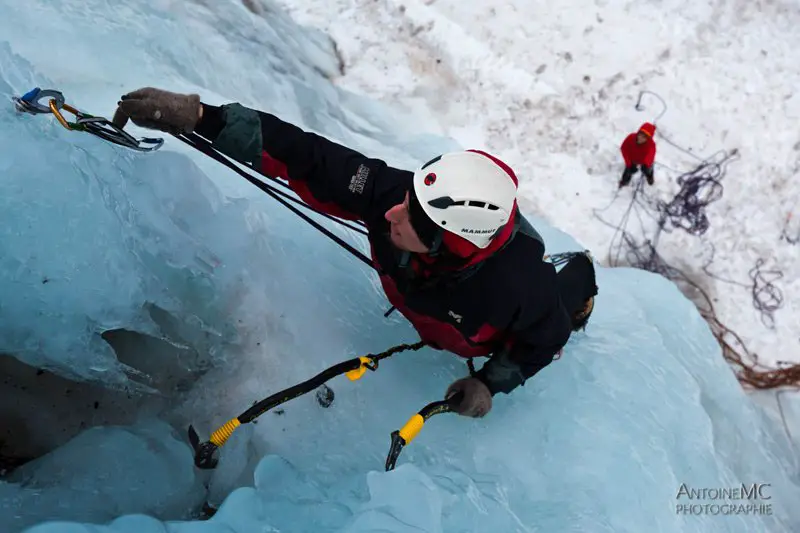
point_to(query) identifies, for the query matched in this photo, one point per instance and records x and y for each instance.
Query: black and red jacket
(502, 302)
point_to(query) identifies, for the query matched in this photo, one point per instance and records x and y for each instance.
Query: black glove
(157, 109)
(475, 400)
(501, 374)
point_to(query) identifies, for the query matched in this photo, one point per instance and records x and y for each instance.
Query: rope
(396, 349)
(204, 146)
(700, 187)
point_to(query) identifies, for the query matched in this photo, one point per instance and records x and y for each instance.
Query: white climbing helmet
(469, 193)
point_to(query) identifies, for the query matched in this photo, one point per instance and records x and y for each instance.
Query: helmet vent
(475, 203)
(445, 201)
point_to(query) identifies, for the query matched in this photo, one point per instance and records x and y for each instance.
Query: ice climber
(639, 150)
(453, 252)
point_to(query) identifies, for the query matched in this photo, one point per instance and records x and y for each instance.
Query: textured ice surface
(601, 440)
(103, 473)
(91, 235)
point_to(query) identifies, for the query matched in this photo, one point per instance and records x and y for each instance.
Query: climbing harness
(354, 369)
(98, 126)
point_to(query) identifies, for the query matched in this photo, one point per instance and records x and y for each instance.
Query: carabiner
(29, 102)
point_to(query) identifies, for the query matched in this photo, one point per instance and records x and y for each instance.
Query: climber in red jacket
(639, 150)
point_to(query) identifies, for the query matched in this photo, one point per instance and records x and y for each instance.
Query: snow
(176, 293)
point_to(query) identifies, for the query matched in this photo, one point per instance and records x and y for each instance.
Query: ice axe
(411, 429)
(353, 368)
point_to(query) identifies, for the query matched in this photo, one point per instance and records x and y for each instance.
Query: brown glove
(157, 109)
(476, 400)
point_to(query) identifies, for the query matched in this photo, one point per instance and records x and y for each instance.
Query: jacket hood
(648, 129)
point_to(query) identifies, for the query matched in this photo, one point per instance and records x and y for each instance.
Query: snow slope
(203, 286)
(553, 90)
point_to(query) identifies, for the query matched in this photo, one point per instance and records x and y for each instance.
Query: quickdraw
(98, 126)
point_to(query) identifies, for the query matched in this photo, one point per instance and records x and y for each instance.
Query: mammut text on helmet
(478, 231)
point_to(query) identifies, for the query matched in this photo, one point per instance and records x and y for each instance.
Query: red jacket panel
(640, 154)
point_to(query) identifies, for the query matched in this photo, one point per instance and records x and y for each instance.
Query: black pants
(577, 284)
(628, 173)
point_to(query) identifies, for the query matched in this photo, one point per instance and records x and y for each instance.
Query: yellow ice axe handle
(220, 436)
(412, 428)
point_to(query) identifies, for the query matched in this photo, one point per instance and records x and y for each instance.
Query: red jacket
(640, 154)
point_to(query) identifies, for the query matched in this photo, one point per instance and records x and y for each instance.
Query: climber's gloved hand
(475, 400)
(157, 109)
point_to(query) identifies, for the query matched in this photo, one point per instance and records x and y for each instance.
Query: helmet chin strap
(436, 248)
(433, 251)
(436, 245)
(405, 257)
